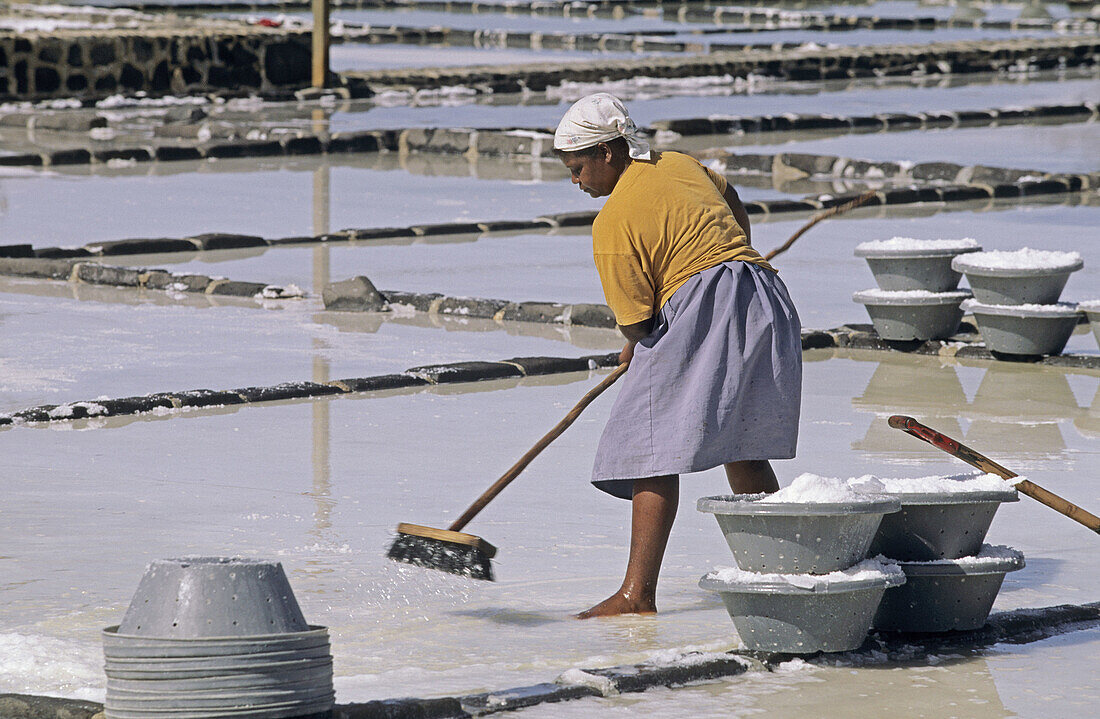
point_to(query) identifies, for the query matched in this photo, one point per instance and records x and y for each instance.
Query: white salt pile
(895, 295)
(1022, 259)
(911, 244)
(1057, 309)
(935, 484)
(869, 569)
(989, 554)
(809, 487)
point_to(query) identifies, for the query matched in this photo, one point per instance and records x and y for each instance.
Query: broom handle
(526, 459)
(942, 441)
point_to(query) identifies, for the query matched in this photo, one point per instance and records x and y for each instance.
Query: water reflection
(1088, 424)
(925, 390)
(371, 322)
(991, 437)
(1029, 394)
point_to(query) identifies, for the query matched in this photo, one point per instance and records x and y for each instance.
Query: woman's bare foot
(619, 603)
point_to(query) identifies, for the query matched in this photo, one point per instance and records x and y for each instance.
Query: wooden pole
(320, 43)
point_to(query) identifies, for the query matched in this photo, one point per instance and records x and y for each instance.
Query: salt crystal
(1022, 259)
(868, 569)
(808, 487)
(910, 243)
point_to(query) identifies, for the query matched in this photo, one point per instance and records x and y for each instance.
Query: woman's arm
(739, 213)
(634, 334)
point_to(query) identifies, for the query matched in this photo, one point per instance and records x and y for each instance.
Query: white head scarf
(598, 118)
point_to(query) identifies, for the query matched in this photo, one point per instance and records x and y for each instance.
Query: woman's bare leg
(653, 509)
(751, 477)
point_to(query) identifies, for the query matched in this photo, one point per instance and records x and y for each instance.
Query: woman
(713, 339)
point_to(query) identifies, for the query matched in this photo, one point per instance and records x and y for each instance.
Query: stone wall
(92, 66)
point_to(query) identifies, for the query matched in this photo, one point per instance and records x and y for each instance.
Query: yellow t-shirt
(665, 221)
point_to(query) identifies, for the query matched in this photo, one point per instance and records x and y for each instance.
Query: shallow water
(320, 485)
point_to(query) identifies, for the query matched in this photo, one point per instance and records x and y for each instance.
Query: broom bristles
(464, 560)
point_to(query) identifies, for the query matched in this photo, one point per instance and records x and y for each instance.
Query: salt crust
(934, 484)
(1089, 305)
(1058, 309)
(811, 488)
(991, 554)
(901, 244)
(878, 568)
(887, 295)
(1022, 259)
(807, 488)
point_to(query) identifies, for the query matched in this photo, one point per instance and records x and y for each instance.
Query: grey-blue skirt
(719, 379)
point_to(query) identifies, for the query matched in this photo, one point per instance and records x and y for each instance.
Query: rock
(590, 315)
(16, 251)
(465, 372)
(139, 246)
(96, 274)
(24, 706)
(185, 115)
(470, 307)
(381, 382)
(357, 294)
(545, 312)
(225, 241)
(549, 365)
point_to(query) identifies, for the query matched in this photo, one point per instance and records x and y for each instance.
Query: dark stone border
(415, 377)
(743, 22)
(860, 337)
(804, 64)
(1022, 626)
(938, 182)
(537, 142)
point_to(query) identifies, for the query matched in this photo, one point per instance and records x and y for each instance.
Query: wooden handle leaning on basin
(956, 449)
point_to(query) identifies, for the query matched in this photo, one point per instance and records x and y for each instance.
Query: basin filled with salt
(940, 518)
(1019, 277)
(1026, 330)
(905, 263)
(902, 315)
(816, 525)
(947, 594)
(803, 613)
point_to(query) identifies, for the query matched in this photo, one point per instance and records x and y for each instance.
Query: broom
(451, 550)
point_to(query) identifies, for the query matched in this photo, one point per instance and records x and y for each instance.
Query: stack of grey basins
(952, 578)
(916, 297)
(212, 637)
(802, 583)
(1016, 299)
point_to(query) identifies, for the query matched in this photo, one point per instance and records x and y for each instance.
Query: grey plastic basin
(1014, 286)
(913, 314)
(914, 268)
(1026, 330)
(195, 597)
(780, 617)
(216, 637)
(120, 646)
(944, 597)
(782, 537)
(938, 525)
(1092, 311)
